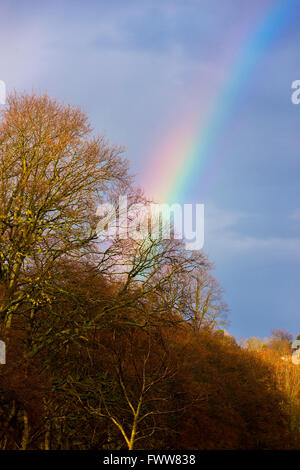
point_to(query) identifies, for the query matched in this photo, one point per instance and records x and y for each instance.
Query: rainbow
(184, 153)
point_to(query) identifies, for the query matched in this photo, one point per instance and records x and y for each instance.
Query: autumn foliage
(115, 345)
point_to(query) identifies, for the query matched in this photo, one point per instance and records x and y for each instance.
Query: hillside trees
(110, 343)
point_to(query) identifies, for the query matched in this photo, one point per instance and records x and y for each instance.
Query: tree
(281, 341)
(52, 174)
(254, 344)
(132, 392)
(282, 334)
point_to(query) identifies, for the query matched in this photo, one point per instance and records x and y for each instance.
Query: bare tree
(132, 393)
(52, 174)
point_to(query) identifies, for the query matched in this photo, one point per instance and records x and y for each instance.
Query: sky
(145, 69)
